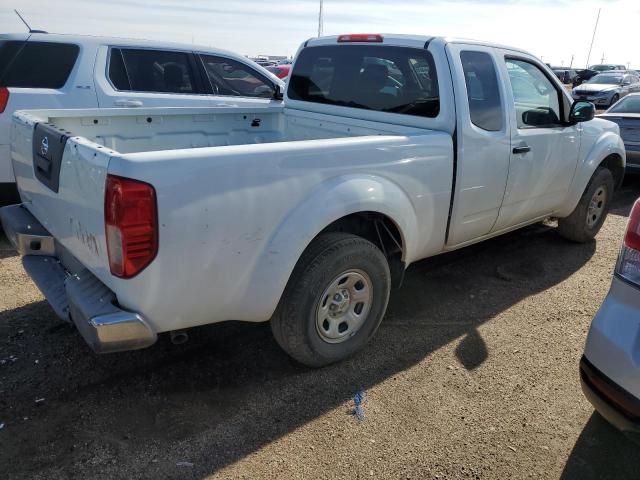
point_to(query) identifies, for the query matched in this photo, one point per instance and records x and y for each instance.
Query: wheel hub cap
(344, 306)
(596, 206)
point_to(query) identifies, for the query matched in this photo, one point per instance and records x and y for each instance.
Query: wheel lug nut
(337, 297)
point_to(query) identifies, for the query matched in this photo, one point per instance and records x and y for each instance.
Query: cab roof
(415, 41)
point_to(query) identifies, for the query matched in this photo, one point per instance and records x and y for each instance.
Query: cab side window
(483, 94)
(536, 98)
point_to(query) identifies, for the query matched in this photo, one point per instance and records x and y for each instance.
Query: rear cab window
(387, 79)
(155, 71)
(36, 64)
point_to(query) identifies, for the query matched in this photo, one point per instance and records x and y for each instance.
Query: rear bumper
(72, 291)
(615, 404)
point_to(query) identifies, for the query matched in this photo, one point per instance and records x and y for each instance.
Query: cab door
(544, 150)
(483, 142)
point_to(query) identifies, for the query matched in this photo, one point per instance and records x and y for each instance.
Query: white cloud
(555, 30)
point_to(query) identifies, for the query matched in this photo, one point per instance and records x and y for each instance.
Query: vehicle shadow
(601, 453)
(230, 390)
(6, 250)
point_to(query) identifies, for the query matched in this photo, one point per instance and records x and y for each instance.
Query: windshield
(606, 79)
(627, 105)
(601, 68)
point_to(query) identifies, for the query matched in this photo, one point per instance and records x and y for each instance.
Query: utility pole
(320, 20)
(571, 64)
(593, 38)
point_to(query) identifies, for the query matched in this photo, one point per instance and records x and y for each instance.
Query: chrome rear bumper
(73, 292)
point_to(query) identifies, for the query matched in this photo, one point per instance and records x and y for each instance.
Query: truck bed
(142, 130)
(240, 191)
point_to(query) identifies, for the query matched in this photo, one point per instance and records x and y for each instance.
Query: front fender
(598, 145)
(331, 201)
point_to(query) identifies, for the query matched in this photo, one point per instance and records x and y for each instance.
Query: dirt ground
(473, 374)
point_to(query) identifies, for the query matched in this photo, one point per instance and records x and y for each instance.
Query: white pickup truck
(386, 150)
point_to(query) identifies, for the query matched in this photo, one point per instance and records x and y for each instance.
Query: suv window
(36, 64)
(537, 100)
(387, 79)
(229, 77)
(483, 93)
(160, 71)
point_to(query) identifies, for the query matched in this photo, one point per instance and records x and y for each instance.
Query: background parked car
(626, 113)
(605, 67)
(566, 75)
(607, 88)
(582, 75)
(65, 71)
(281, 71)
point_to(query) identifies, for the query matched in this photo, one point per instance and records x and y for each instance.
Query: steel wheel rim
(344, 305)
(596, 206)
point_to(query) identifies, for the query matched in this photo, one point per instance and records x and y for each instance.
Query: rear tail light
(628, 265)
(131, 225)
(361, 37)
(4, 98)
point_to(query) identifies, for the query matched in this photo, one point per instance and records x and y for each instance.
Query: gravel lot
(473, 374)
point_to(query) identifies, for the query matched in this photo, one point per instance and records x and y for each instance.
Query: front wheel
(334, 301)
(614, 100)
(587, 218)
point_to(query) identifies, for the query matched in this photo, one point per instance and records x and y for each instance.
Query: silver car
(626, 113)
(607, 88)
(610, 366)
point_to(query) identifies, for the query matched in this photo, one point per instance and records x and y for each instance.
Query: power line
(593, 38)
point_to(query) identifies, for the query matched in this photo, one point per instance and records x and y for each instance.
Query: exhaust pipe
(178, 337)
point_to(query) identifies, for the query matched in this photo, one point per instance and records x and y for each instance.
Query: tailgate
(61, 179)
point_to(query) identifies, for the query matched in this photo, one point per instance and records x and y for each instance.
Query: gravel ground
(473, 374)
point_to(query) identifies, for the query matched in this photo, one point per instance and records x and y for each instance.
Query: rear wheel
(586, 220)
(334, 301)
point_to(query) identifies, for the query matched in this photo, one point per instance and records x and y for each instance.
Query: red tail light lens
(361, 37)
(628, 265)
(131, 225)
(4, 98)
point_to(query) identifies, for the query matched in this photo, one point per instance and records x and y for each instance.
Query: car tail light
(4, 98)
(361, 37)
(131, 225)
(628, 265)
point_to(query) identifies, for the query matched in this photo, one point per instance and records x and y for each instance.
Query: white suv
(63, 71)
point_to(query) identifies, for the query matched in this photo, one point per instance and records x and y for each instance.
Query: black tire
(577, 227)
(614, 99)
(326, 259)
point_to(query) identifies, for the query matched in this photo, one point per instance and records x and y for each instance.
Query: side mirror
(582, 112)
(278, 94)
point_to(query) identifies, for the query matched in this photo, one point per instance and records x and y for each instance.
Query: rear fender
(331, 201)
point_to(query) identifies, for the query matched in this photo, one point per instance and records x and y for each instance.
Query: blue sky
(554, 30)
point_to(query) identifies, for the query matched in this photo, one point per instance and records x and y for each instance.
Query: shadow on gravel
(602, 453)
(230, 390)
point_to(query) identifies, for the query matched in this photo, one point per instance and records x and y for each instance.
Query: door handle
(127, 103)
(521, 149)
